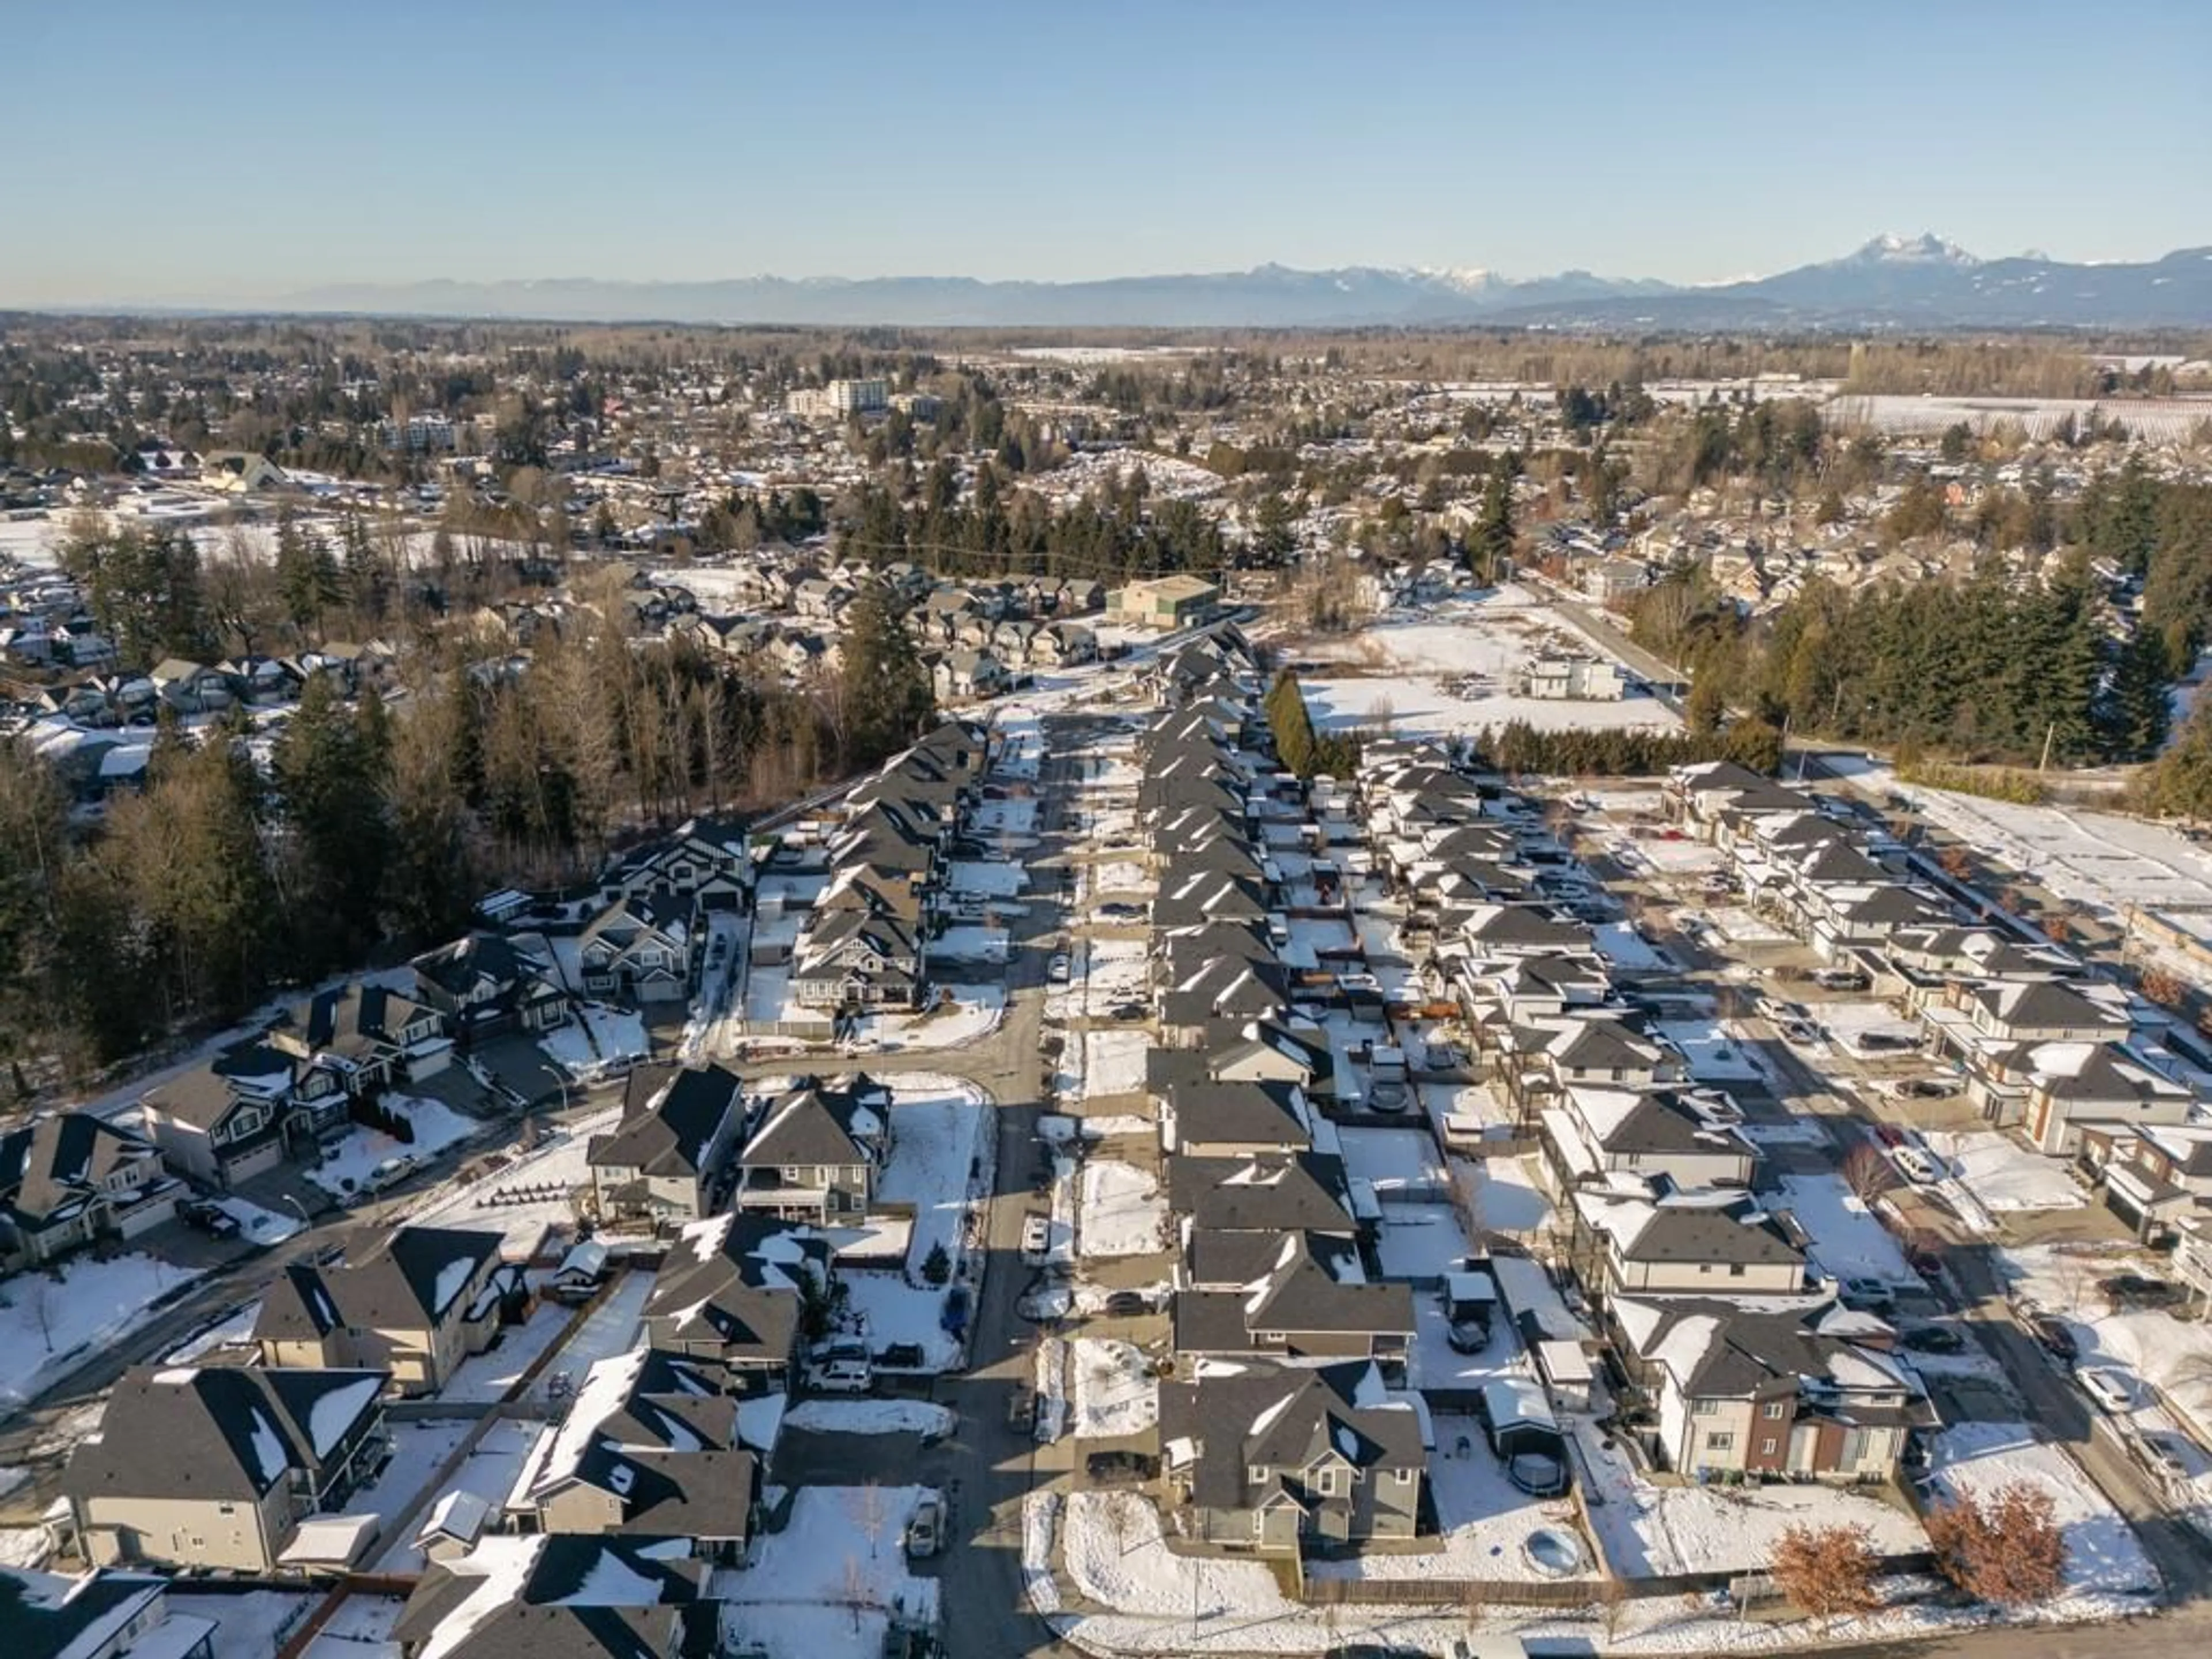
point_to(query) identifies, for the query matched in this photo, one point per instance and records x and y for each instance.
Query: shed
(1566, 1369)
(330, 1543)
(454, 1523)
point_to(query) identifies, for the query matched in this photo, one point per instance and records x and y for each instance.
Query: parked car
(924, 1530)
(1889, 1134)
(1126, 1011)
(1917, 1164)
(2051, 1331)
(2140, 1289)
(1021, 1406)
(2165, 1452)
(1867, 1295)
(1056, 970)
(1047, 1303)
(1126, 1305)
(1802, 1032)
(1840, 979)
(1121, 1469)
(1934, 1339)
(209, 1217)
(1923, 1088)
(2109, 1386)
(1467, 1335)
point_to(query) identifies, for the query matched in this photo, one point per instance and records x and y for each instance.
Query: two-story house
(741, 1290)
(213, 1130)
(640, 947)
(70, 1178)
(563, 1596)
(414, 1308)
(483, 984)
(662, 1160)
(214, 1467)
(369, 1036)
(1304, 1306)
(816, 1152)
(1270, 1459)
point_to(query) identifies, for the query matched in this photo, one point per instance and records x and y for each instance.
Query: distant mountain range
(1913, 282)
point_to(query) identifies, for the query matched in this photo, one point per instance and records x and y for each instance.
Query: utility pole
(2049, 733)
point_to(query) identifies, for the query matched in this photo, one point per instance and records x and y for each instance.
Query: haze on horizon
(249, 151)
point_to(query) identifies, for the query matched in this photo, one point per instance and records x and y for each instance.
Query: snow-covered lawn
(2104, 1559)
(937, 1136)
(992, 879)
(360, 1629)
(528, 1195)
(598, 1038)
(825, 1584)
(2000, 1173)
(1395, 1162)
(490, 1471)
(966, 1014)
(1712, 1053)
(1485, 1518)
(1744, 927)
(869, 1417)
(1420, 1241)
(1121, 878)
(257, 1226)
(1848, 1241)
(1506, 1197)
(48, 1319)
(1114, 1062)
(2174, 1356)
(250, 1626)
(345, 1169)
(1112, 1550)
(418, 1449)
(1122, 1212)
(486, 1377)
(971, 944)
(1620, 945)
(610, 1328)
(1114, 1388)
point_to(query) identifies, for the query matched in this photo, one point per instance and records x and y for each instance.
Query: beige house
(817, 1152)
(216, 1466)
(1164, 603)
(418, 1307)
(662, 1160)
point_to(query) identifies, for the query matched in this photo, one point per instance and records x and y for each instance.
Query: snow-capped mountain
(1915, 281)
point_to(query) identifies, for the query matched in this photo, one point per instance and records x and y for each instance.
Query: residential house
(369, 1038)
(1802, 1392)
(1164, 603)
(69, 1178)
(640, 947)
(416, 1307)
(663, 1161)
(1299, 1309)
(1687, 1139)
(191, 688)
(1695, 1243)
(485, 984)
(563, 1596)
(214, 1467)
(213, 1131)
(100, 1614)
(2156, 1178)
(817, 1152)
(737, 1289)
(1272, 1459)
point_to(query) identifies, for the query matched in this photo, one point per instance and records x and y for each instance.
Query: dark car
(1121, 1469)
(1126, 1011)
(1126, 1305)
(2140, 1290)
(1932, 1339)
(2051, 1331)
(1889, 1134)
(209, 1217)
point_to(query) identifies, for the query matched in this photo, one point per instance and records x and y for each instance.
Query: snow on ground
(825, 1584)
(1712, 1052)
(869, 1417)
(1113, 1550)
(254, 1625)
(2174, 1356)
(1619, 944)
(1395, 1162)
(993, 879)
(966, 1014)
(346, 1169)
(1848, 1241)
(1122, 1212)
(527, 1195)
(360, 1629)
(610, 1328)
(49, 1318)
(1851, 1023)
(489, 1471)
(257, 1226)
(1456, 669)
(971, 943)
(937, 1137)
(1114, 1062)
(29, 1547)
(1420, 1241)
(1506, 1197)
(1121, 878)
(2104, 1559)
(1485, 1518)
(1115, 1393)
(1040, 1517)
(2002, 1174)
(233, 1330)
(492, 1375)
(1016, 816)
(598, 1038)
(418, 1449)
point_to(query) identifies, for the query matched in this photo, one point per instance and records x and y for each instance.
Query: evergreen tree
(1490, 543)
(883, 685)
(2136, 711)
(331, 774)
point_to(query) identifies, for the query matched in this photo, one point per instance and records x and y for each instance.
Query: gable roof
(670, 1116)
(410, 1283)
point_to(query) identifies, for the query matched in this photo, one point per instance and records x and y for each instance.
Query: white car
(1056, 969)
(924, 1533)
(2111, 1387)
(1916, 1164)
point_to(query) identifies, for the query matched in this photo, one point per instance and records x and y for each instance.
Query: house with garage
(2075, 1087)
(213, 1128)
(816, 1150)
(2156, 1178)
(1274, 1459)
(1304, 1306)
(742, 1290)
(414, 1308)
(100, 1614)
(366, 1035)
(640, 948)
(853, 959)
(191, 688)
(70, 1179)
(214, 1467)
(1684, 1140)
(1803, 1392)
(565, 1596)
(485, 984)
(662, 1162)
(1682, 1244)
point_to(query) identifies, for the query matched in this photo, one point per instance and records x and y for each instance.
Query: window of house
(1720, 1440)
(1735, 1270)
(1325, 1482)
(1767, 1447)
(1705, 1408)
(1775, 1409)
(1257, 1475)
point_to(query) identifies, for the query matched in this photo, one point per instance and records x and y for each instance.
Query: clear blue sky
(242, 150)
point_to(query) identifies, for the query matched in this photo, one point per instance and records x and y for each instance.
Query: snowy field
(1113, 1063)
(2104, 1561)
(598, 1038)
(1848, 1241)
(1122, 1212)
(937, 1138)
(1115, 1393)
(826, 1584)
(1456, 667)
(869, 1417)
(1485, 1518)
(1112, 1550)
(346, 1169)
(47, 1319)
(2000, 1173)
